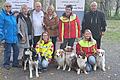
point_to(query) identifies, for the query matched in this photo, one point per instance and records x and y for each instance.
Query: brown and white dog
(100, 60)
(71, 58)
(31, 57)
(65, 58)
(60, 58)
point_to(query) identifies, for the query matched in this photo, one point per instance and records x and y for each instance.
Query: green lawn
(113, 31)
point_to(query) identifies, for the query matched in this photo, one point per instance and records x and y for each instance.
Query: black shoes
(17, 66)
(7, 67)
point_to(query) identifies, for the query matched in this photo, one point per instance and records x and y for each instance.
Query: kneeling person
(87, 46)
(45, 49)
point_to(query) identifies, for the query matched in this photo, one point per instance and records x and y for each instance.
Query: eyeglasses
(8, 6)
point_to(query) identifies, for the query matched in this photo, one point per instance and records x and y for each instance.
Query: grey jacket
(23, 31)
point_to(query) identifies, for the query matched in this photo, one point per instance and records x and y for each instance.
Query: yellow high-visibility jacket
(45, 49)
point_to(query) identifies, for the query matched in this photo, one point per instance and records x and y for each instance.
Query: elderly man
(8, 27)
(95, 21)
(37, 16)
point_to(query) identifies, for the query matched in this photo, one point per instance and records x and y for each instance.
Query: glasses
(8, 6)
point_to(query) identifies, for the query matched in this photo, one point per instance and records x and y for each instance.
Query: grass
(113, 31)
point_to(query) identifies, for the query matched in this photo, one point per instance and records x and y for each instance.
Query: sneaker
(7, 67)
(40, 71)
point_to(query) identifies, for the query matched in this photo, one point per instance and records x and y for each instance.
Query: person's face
(8, 7)
(45, 37)
(38, 7)
(93, 7)
(25, 10)
(68, 11)
(87, 35)
(49, 10)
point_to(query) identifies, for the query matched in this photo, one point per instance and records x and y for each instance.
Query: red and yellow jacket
(45, 49)
(87, 47)
(69, 28)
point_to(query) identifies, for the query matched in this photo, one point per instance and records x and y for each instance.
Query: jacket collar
(4, 11)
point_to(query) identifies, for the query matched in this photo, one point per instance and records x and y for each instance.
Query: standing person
(45, 49)
(25, 28)
(95, 21)
(9, 29)
(37, 17)
(51, 24)
(69, 27)
(87, 46)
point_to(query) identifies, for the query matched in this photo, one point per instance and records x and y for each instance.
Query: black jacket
(95, 21)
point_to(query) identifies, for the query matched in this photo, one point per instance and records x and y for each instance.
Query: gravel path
(112, 69)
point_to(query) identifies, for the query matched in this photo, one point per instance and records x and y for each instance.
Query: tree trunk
(117, 7)
(46, 3)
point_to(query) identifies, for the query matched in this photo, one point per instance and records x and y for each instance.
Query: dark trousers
(69, 41)
(36, 39)
(98, 40)
(54, 40)
(7, 54)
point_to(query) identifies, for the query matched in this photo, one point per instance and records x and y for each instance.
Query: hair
(24, 5)
(45, 32)
(69, 6)
(92, 39)
(93, 3)
(53, 10)
(7, 3)
(38, 3)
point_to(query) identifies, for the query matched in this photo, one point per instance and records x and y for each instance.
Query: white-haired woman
(25, 28)
(51, 22)
(87, 46)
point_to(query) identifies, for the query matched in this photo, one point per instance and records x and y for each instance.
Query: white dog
(31, 57)
(81, 61)
(100, 60)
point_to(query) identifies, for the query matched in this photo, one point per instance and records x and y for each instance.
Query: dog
(81, 61)
(100, 60)
(71, 58)
(65, 58)
(60, 58)
(30, 56)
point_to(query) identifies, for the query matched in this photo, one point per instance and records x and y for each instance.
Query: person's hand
(102, 33)
(49, 60)
(23, 39)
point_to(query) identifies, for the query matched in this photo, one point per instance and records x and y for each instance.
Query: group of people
(38, 29)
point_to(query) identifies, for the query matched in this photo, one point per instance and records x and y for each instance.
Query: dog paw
(31, 76)
(24, 69)
(94, 68)
(104, 69)
(37, 75)
(69, 69)
(58, 67)
(78, 71)
(85, 72)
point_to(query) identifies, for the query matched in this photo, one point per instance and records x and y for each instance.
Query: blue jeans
(90, 62)
(43, 64)
(7, 54)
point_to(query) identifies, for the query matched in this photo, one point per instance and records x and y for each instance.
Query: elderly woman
(8, 32)
(51, 24)
(25, 28)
